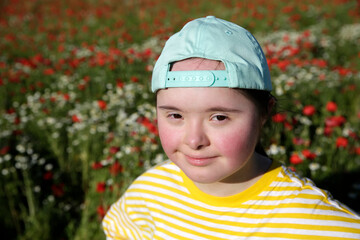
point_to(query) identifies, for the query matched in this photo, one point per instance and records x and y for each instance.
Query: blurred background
(77, 118)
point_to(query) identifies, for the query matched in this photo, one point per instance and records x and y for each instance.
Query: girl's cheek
(168, 138)
(237, 141)
(229, 144)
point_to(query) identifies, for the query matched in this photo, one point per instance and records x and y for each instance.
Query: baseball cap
(215, 39)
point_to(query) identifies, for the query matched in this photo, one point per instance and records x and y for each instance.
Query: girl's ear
(270, 107)
(271, 104)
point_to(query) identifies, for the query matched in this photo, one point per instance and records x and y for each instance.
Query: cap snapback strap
(201, 78)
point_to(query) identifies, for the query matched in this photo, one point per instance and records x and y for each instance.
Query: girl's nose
(196, 137)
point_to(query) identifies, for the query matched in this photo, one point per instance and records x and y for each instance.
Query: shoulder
(305, 194)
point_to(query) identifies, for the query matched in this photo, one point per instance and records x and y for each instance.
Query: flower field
(77, 118)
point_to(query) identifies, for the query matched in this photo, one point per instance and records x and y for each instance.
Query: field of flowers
(77, 119)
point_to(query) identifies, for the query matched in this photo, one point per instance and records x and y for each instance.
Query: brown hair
(265, 103)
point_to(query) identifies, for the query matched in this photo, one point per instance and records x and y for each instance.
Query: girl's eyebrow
(212, 109)
(223, 109)
(165, 107)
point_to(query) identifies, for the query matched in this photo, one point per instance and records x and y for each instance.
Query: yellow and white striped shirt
(164, 204)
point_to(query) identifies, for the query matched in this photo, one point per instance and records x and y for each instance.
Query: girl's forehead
(201, 96)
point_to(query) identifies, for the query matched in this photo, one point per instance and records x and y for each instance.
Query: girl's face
(209, 133)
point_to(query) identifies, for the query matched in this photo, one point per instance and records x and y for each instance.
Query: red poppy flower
(342, 71)
(102, 104)
(295, 17)
(331, 106)
(147, 53)
(12, 110)
(2, 65)
(61, 48)
(306, 33)
(309, 110)
(114, 149)
(283, 65)
(322, 77)
(17, 121)
(4, 150)
(66, 97)
(86, 78)
(39, 84)
(295, 159)
(134, 79)
(48, 175)
(119, 84)
(319, 62)
(341, 142)
(49, 71)
(357, 151)
(58, 189)
(308, 154)
(328, 131)
(101, 187)
(81, 86)
(148, 124)
(116, 168)
(75, 118)
(353, 135)
(100, 211)
(298, 141)
(352, 87)
(96, 165)
(334, 121)
(279, 117)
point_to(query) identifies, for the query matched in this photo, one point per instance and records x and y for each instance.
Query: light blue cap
(215, 39)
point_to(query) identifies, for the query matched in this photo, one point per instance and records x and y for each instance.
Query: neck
(239, 181)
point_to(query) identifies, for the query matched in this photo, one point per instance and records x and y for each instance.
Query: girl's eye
(175, 116)
(219, 118)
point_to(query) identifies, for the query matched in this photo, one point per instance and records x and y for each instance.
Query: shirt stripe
(161, 204)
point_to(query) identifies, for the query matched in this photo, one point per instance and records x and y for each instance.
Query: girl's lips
(199, 161)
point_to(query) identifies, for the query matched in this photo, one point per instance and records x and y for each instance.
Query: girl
(213, 98)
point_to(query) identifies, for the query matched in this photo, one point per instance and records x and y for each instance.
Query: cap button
(211, 17)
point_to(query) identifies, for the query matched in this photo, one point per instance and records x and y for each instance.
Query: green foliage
(78, 122)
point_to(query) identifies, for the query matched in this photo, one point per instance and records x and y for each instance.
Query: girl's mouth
(199, 161)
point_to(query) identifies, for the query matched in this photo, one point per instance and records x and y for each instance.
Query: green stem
(11, 202)
(29, 194)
